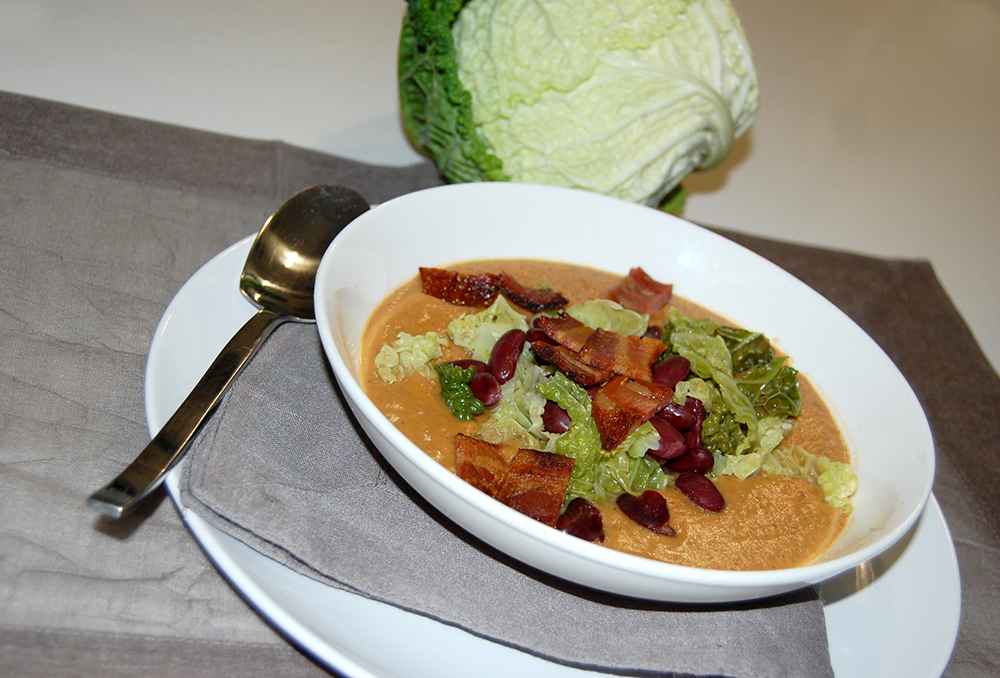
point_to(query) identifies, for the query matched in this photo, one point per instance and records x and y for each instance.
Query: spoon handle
(169, 445)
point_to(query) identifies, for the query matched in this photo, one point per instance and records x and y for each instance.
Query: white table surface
(878, 132)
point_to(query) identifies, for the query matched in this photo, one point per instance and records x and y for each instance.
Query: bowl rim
(638, 565)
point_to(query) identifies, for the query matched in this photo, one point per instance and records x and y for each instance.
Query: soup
(770, 520)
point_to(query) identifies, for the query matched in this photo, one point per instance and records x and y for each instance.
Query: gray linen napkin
(283, 466)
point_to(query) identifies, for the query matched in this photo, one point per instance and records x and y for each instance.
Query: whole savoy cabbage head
(620, 97)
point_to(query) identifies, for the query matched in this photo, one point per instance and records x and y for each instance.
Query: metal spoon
(278, 278)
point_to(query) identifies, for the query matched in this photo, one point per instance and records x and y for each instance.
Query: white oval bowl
(882, 421)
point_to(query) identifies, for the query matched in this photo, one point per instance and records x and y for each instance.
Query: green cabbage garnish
(456, 392)
(685, 323)
(749, 395)
(518, 415)
(738, 389)
(837, 479)
(600, 475)
(747, 348)
(773, 388)
(609, 315)
(772, 432)
(695, 387)
(407, 355)
(478, 332)
(731, 427)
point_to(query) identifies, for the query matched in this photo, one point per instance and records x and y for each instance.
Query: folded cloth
(285, 468)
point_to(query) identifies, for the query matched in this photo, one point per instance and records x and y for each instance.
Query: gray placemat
(284, 467)
(103, 218)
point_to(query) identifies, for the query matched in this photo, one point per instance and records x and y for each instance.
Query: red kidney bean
(672, 443)
(554, 418)
(654, 331)
(696, 460)
(693, 437)
(696, 407)
(672, 370)
(701, 491)
(679, 417)
(466, 363)
(582, 519)
(503, 359)
(486, 388)
(649, 509)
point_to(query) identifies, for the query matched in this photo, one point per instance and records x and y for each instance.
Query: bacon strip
(459, 288)
(569, 363)
(536, 484)
(533, 482)
(622, 353)
(481, 289)
(639, 292)
(565, 330)
(622, 404)
(531, 298)
(481, 464)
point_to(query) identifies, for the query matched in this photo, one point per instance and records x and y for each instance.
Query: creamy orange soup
(769, 522)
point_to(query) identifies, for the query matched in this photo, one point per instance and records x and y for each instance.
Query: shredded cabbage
(772, 432)
(731, 429)
(518, 415)
(747, 348)
(600, 475)
(837, 479)
(478, 332)
(749, 396)
(697, 388)
(457, 393)
(773, 388)
(611, 316)
(409, 354)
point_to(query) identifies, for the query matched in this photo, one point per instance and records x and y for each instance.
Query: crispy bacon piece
(531, 298)
(481, 464)
(536, 484)
(622, 404)
(622, 353)
(569, 362)
(639, 292)
(533, 482)
(481, 289)
(565, 330)
(459, 288)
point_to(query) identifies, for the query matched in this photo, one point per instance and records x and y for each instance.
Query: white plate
(882, 618)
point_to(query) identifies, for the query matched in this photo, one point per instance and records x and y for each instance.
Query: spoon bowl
(278, 278)
(280, 270)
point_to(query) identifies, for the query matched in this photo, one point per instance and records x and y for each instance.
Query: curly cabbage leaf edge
(436, 107)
